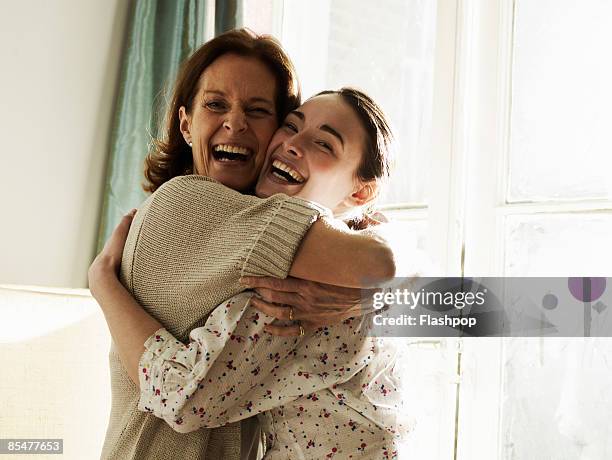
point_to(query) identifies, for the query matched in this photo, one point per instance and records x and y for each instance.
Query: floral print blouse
(329, 394)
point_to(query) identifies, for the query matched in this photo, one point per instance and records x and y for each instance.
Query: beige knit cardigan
(188, 245)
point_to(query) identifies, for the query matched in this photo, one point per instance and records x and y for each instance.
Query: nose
(235, 122)
(294, 152)
(293, 147)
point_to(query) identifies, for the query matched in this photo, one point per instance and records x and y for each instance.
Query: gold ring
(290, 313)
(302, 332)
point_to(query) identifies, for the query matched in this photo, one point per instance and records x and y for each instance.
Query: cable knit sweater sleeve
(259, 236)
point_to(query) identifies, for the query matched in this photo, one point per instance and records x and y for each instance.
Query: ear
(185, 124)
(365, 193)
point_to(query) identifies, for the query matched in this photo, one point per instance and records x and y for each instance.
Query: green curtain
(227, 15)
(161, 34)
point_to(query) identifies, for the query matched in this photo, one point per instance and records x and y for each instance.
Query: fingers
(279, 312)
(316, 318)
(127, 219)
(276, 284)
(312, 324)
(123, 227)
(335, 294)
(375, 219)
(304, 303)
(306, 289)
(276, 311)
(303, 308)
(111, 253)
(288, 298)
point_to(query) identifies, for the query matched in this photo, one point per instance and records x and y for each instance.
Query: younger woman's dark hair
(376, 159)
(170, 156)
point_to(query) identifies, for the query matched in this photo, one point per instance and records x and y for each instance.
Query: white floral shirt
(329, 394)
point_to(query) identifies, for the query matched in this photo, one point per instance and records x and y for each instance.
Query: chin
(267, 189)
(264, 190)
(236, 183)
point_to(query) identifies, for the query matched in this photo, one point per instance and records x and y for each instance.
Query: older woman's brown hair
(170, 156)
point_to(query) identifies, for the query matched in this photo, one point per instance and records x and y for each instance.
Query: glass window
(561, 101)
(558, 245)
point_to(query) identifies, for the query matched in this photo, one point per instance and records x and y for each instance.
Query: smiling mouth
(231, 153)
(285, 172)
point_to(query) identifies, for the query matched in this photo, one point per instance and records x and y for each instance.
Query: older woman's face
(232, 120)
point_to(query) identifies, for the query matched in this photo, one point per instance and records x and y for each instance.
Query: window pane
(561, 101)
(386, 51)
(577, 244)
(409, 227)
(260, 15)
(427, 374)
(408, 236)
(556, 399)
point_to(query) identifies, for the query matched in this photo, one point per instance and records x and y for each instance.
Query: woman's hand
(108, 262)
(312, 304)
(369, 221)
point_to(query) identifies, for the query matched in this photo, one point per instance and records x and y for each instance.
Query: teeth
(232, 149)
(279, 176)
(292, 172)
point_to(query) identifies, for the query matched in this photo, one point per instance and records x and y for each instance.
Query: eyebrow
(326, 128)
(253, 99)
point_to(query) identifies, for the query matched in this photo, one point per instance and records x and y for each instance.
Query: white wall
(60, 67)
(55, 379)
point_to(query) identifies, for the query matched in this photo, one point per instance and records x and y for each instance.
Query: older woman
(228, 100)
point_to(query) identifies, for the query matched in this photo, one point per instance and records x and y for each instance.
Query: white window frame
(485, 30)
(485, 38)
(460, 98)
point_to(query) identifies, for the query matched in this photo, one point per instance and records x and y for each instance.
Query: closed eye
(290, 126)
(325, 145)
(215, 106)
(259, 111)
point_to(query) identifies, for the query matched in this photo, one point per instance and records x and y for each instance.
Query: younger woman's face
(315, 154)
